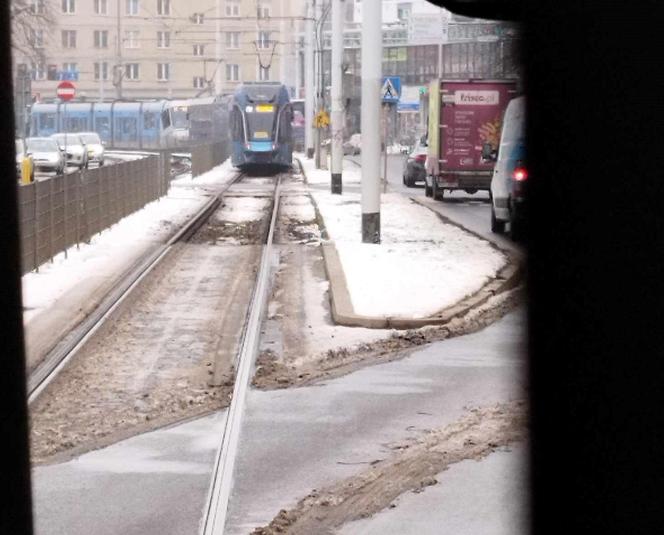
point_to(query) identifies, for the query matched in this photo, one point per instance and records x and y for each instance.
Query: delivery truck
(463, 135)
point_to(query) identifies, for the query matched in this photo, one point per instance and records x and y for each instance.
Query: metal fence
(66, 210)
(205, 157)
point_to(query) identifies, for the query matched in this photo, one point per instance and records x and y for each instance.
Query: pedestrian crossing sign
(391, 89)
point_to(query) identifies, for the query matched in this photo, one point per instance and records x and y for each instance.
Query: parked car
(414, 169)
(76, 152)
(46, 154)
(96, 147)
(22, 154)
(510, 175)
(353, 145)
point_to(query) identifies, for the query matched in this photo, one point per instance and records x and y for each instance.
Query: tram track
(162, 347)
(55, 359)
(214, 515)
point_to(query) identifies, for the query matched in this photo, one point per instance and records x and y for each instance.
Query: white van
(510, 174)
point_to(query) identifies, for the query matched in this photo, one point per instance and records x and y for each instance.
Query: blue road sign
(408, 106)
(71, 76)
(390, 90)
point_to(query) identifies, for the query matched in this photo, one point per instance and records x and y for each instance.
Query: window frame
(68, 7)
(70, 40)
(100, 38)
(163, 39)
(132, 72)
(164, 69)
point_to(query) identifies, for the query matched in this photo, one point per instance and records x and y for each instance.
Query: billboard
(427, 28)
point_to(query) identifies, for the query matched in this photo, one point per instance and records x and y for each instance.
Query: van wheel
(496, 226)
(516, 228)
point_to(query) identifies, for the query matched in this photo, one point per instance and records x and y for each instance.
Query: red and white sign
(66, 90)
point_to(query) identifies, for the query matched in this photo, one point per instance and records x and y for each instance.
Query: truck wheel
(437, 193)
(496, 226)
(427, 189)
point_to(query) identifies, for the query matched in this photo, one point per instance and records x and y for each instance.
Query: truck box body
(464, 116)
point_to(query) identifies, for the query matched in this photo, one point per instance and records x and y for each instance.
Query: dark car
(414, 170)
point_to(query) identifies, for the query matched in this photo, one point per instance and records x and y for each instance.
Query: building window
(131, 71)
(131, 39)
(263, 12)
(263, 40)
(232, 8)
(199, 82)
(403, 11)
(232, 40)
(101, 38)
(69, 6)
(101, 71)
(163, 7)
(163, 72)
(263, 73)
(37, 7)
(69, 67)
(199, 50)
(68, 39)
(198, 18)
(37, 38)
(38, 71)
(232, 72)
(101, 7)
(163, 39)
(131, 7)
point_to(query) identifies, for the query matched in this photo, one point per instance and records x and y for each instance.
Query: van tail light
(421, 158)
(520, 174)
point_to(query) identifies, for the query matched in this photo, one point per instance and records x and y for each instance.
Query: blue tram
(260, 118)
(160, 124)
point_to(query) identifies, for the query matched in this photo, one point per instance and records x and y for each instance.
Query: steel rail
(216, 506)
(66, 348)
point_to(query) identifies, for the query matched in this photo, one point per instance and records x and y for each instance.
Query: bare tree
(32, 22)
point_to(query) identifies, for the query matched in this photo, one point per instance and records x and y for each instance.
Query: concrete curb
(341, 306)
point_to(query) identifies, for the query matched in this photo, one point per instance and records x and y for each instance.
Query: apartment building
(144, 49)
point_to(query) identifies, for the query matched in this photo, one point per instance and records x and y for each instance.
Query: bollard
(27, 174)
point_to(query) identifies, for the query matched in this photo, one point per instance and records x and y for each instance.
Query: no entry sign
(65, 90)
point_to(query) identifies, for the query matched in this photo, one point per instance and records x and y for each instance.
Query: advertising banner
(471, 118)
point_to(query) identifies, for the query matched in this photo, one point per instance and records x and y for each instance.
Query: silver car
(76, 153)
(46, 154)
(95, 147)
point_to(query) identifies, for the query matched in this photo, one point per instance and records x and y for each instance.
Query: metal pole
(440, 60)
(217, 49)
(386, 111)
(318, 9)
(119, 52)
(309, 80)
(372, 51)
(337, 115)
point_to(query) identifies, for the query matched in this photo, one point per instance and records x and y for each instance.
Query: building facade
(148, 49)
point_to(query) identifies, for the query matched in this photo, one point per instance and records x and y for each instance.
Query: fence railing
(66, 210)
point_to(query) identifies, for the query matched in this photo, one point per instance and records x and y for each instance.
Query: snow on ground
(422, 265)
(113, 250)
(351, 172)
(239, 209)
(211, 177)
(297, 207)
